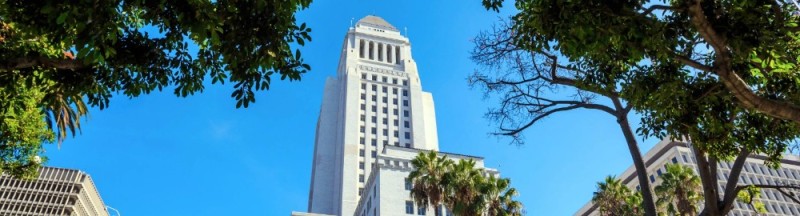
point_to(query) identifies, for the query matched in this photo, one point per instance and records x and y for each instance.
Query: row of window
(438, 211)
(379, 51)
(384, 89)
(384, 79)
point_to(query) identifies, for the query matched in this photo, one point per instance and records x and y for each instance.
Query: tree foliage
(713, 73)
(615, 199)
(680, 191)
(22, 131)
(79, 53)
(461, 187)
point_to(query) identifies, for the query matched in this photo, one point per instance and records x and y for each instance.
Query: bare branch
(658, 7)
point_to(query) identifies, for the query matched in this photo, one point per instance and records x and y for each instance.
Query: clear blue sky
(162, 155)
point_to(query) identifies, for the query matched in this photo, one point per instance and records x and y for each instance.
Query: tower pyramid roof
(376, 21)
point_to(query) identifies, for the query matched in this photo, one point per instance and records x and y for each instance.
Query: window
(408, 135)
(362, 129)
(364, 86)
(361, 152)
(360, 191)
(408, 145)
(396, 133)
(397, 55)
(652, 179)
(363, 107)
(385, 132)
(385, 120)
(374, 130)
(361, 48)
(395, 111)
(383, 79)
(361, 178)
(405, 83)
(371, 48)
(374, 108)
(361, 140)
(659, 172)
(363, 96)
(374, 98)
(421, 211)
(374, 119)
(363, 76)
(374, 87)
(374, 153)
(406, 124)
(385, 90)
(380, 51)
(394, 101)
(374, 142)
(409, 207)
(394, 81)
(389, 53)
(363, 117)
(374, 78)
(386, 142)
(385, 110)
(408, 184)
(405, 92)
(396, 143)
(405, 113)
(385, 99)
(361, 165)
(674, 160)
(405, 102)
(395, 122)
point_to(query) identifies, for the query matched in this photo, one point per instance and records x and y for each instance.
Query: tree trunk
(709, 183)
(636, 155)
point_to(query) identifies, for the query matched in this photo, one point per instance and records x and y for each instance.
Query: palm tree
(462, 188)
(614, 198)
(426, 178)
(63, 110)
(499, 197)
(679, 191)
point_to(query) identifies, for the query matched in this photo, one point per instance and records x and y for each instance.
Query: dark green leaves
(90, 50)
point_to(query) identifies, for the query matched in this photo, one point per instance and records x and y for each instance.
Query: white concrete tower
(375, 100)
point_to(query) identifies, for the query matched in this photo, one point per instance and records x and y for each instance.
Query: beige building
(754, 172)
(56, 191)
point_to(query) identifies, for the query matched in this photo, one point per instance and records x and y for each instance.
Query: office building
(56, 191)
(754, 172)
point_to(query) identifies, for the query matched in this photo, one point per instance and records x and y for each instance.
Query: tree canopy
(74, 54)
(461, 187)
(721, 75)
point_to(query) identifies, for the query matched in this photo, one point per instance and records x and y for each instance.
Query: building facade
(754, 172)
(387, 189)
(56, 191)
(373, 119)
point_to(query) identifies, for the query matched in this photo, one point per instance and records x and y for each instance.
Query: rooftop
(376, 21)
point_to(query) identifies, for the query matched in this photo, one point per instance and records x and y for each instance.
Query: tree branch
(733, 82)
(776, 187)
(657, 7)
(22, 63)
(733, 180)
